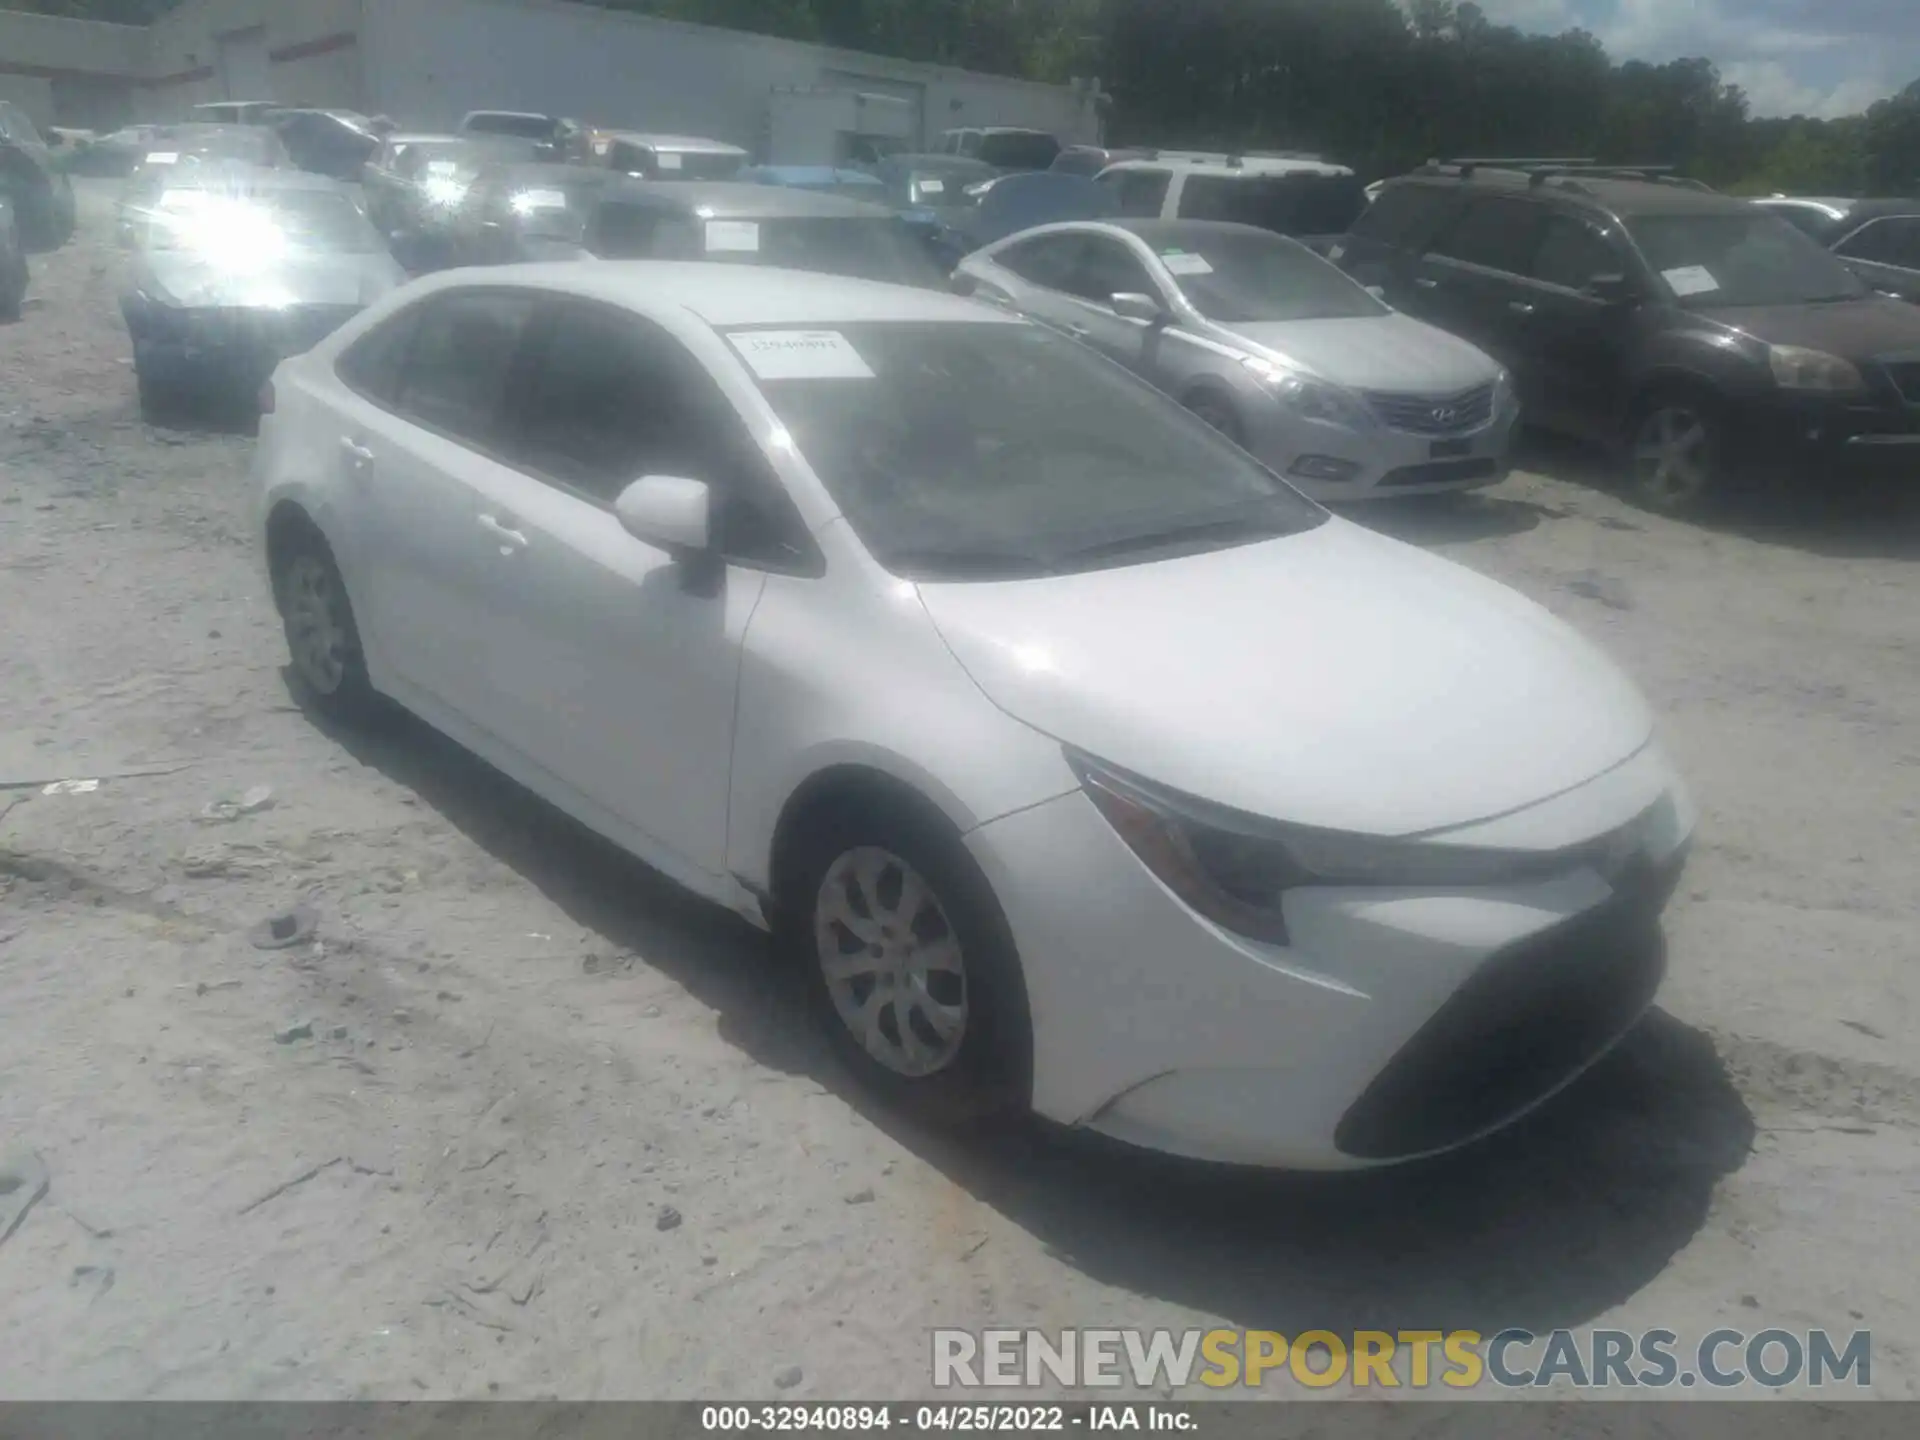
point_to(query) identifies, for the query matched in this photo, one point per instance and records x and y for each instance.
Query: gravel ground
(524, 1121)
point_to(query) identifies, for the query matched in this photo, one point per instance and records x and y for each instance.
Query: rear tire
(909, 962)
(1218, 412)
(323, 638)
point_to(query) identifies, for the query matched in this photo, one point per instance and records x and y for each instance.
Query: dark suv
(1704, 337)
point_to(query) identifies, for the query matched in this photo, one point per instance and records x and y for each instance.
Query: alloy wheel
(892, 962)
(318, 637)
(1673, 460)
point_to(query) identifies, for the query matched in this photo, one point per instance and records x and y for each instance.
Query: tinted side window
(1885, 242)
(1573, 254)
(1403, 215)
(455, 375)
(372, 364)
(1494, 232)
(625, 232)
(1050, 261)
(1139, 193)
(611, 398)
(1107, 268)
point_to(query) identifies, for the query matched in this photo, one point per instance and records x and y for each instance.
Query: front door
(619, 665)
(1466, 282)
(1886, 254)
(1571, 346)
(1108, 267)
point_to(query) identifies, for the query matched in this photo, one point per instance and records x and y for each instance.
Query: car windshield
(932, 184)
(879, 248)
(244, 228)
(1018, 149)
(995, 451)
(1300, 204)
(254, 146)
(1242, 277)
(525, 127)
(1740, 258)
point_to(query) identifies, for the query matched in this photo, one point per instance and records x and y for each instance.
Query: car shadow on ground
(1449, 519)
(1550, 1223)
(1842, 519)
(203, 415)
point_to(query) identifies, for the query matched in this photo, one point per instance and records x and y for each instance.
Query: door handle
(1079, 332)
(355, 451)
(1426, 284)
(1520, 307)
(510, 539)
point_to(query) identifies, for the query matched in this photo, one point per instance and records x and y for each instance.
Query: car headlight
(1797, 368)
(443, 190)
(1311, 399)
(1236, 869)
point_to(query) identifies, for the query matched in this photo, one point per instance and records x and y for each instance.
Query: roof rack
(1568, 172)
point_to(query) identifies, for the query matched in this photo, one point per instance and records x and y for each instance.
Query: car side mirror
(1129, 305)
(963, 283)
(668, 511)
(1612, 289)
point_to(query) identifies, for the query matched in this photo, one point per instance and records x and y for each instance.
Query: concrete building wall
(71, 72)
(428, 62)
(303, 52)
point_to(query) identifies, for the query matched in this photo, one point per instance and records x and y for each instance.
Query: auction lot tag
(734, 236)
(164, 157)
(933, 187)
(542, 199)
(669, 160)
(1690, 280)
(1184, 263)
(800, 355)
(442, 167)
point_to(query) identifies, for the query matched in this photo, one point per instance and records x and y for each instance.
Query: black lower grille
(1529, 1019)
(1441, 472)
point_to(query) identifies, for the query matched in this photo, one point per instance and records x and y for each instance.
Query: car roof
(427, 137)
(508, 115)
(1165, 232)
(238, 175)
(822, 174)
(735, 295)
(734, 199)
(693, 143)
(1609, 193)
(1244, 167)
(534, 171)
(937, 160)
(1861, 211)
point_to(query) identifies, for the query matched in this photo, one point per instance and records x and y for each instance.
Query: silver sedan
(1324, 382)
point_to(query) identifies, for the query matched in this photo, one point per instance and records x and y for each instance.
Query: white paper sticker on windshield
(669, 160)
(541, 200)
(1336, 252)
(602, 144)
(801, 355)
(442, 167)
(933, 187)
(1185, 263)
(737, 237)
(164, 157)
(1690, 280)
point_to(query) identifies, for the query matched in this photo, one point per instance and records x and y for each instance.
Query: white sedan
(1091, 768)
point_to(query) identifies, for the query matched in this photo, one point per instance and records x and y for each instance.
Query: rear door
(1571, 348)
(1886, 254)
(1036, 277)
(1384, 247)
(1469, 281)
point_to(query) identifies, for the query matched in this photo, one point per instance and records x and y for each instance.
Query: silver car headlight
(1236, 869)
(1309, 398)
(1797, 368)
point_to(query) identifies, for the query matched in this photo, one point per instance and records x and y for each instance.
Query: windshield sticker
(736, 237)
(1690, 280)
(1183, 263)
(800, 355)
(442, 167)
(601, 145)
(933, 187)
(1336, 252)
(164, 157)
(668, 160)
(541, 200)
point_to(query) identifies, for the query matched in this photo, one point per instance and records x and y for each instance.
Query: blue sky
(1814, 57)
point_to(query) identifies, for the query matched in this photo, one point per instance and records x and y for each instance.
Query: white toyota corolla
(1090, 767)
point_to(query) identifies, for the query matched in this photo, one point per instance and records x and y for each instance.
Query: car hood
(185, 279)
(1374, 352)
(1854, 329)
(1333, 678)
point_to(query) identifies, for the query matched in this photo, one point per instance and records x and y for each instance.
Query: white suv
(1301, 196)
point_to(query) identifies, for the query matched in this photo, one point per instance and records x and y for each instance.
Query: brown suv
(1705, 338)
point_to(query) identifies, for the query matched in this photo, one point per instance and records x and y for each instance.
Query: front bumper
(240, 345)
(1396, 1024)
(1813, 438)
(1378, 462)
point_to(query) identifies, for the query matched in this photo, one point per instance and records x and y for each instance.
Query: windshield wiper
(1197, 535)
(967, 562)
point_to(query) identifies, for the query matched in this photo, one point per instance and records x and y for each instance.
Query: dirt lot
(434, 1153)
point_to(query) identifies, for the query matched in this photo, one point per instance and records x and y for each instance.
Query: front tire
(1676, 460)
(1218, 412)
(323, 638)
(910, 963)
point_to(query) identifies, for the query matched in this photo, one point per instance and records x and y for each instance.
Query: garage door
(914, 94)
(245, 71)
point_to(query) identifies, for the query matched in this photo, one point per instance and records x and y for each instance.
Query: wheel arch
(288, 524)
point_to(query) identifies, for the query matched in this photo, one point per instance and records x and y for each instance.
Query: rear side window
(1108, 268)
(1019, 149)
(1885, 242)
(1050, 260)
(1139, 193)
(1493, 232)
(1404, 216)
(1300, 204)
(455, 376)
(372, 364)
